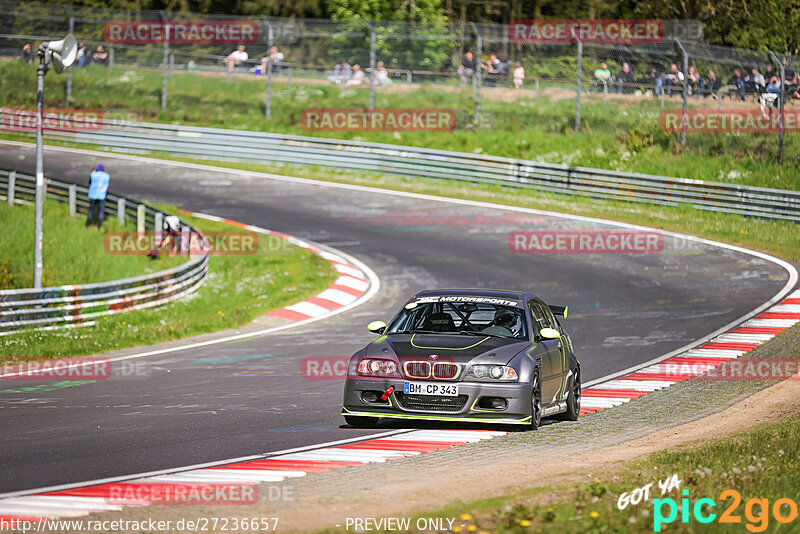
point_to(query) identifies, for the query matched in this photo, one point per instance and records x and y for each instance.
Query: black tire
(360, 421)
(573, 398)
(536, 403)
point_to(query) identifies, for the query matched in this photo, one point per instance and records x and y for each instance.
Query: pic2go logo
(756, 511)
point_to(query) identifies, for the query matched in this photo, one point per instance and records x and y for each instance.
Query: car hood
(453, 348)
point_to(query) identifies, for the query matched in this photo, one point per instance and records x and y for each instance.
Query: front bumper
(398, 406)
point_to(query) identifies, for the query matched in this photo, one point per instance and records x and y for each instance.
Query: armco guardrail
(80, 305)
(260, 147)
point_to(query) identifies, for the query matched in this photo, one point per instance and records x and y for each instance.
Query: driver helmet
(502, 316)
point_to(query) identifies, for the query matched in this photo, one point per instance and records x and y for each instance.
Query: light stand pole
(59, 54)
(37, 243)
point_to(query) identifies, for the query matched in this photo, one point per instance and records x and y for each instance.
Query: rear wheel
(536, 403)
(574, 398)
(361, 421)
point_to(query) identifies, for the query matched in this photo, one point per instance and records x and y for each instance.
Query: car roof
(496, 293)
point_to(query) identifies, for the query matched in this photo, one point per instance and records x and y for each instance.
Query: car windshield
(467, 318)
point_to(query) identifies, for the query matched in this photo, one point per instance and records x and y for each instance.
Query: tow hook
(387, 393)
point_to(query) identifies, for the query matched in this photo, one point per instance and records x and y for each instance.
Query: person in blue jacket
(98, 188)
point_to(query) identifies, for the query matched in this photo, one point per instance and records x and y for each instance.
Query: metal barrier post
(477, 78)
(408, 81)
(289, 72)
(372, 43)
(12, 178)
(69, 69)
(110, 59)
(605, 93)
(158, 225)
(685, 91)
(73, 205)
(141, 218)
(268, 111)
(781, 98)
(165, 63)
(121, 211)
(536, 84)
(578, 84)
(185, 238)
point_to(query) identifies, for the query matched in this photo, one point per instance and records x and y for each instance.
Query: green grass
(238, 289)
(762, 463)
(72, 253)
(623, 135)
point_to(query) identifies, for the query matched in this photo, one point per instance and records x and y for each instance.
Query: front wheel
(574, 398)
(359, 421)
(536, 403)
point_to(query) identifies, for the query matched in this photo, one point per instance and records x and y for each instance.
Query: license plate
(430, 388)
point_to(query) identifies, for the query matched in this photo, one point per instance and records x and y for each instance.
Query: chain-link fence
(645, 93)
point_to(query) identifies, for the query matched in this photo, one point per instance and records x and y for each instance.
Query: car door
(551, 372)
(561, 365)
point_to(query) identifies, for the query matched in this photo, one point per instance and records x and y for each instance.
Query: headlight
(377, 368)
(497, 372)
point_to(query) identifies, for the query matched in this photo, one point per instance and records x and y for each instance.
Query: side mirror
(376, 327)
(549, 333)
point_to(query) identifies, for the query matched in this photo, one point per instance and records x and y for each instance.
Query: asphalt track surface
(242, 398)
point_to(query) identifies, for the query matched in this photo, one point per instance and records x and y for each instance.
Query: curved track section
(248, 397)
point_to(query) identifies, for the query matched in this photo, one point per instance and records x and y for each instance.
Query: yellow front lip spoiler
(458, 419)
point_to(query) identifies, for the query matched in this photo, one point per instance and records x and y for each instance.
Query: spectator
(27, 54)
(98, 188)
(625, 80)
(735, 84)
(754, 82)
(650, 79)
(770, 72)
(468, 68)
(603, 73)
(100, 55)
(673, 78)
(357, 78)
(712, 85)
(694, 80)
(82, 55)
(494, 69)
(275, 57)
(768, 98)
(236, 58)
(788, 72)
(793, 88)
(381, 75)
(341, 72)
(519, 76)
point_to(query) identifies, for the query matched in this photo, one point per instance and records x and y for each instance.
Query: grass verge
(72, 253)
(238, 289)
(624, 134)
(762, 464)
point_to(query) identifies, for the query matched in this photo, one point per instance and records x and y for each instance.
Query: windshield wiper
(416, 331)
(477, 333)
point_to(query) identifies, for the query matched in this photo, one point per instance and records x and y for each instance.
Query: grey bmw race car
(483, 356)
